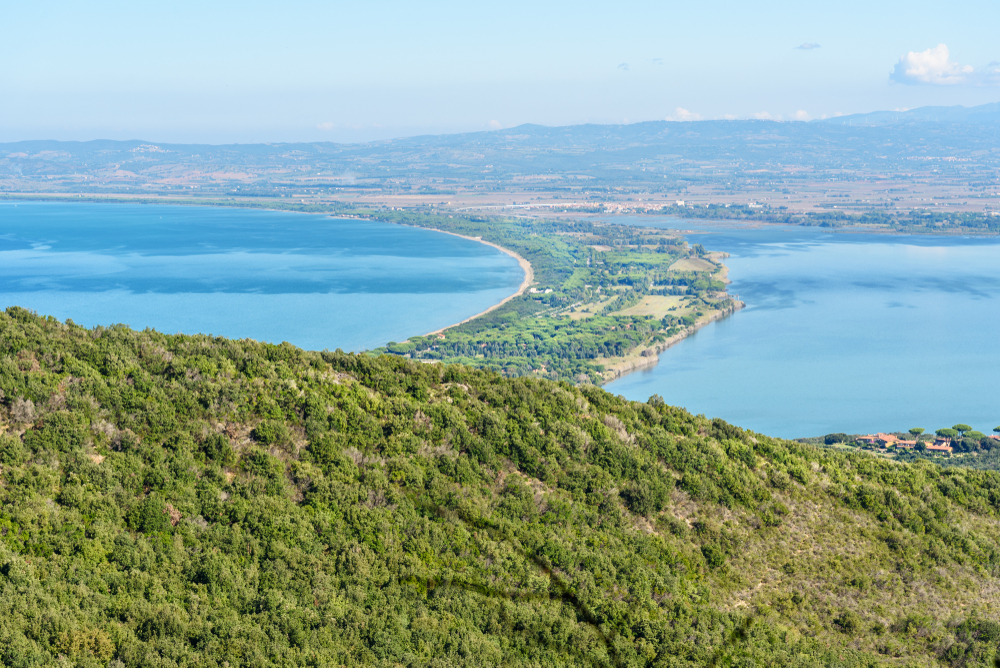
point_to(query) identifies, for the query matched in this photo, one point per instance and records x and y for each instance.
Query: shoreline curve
(629, 367)
(624, 368)
(529, 276)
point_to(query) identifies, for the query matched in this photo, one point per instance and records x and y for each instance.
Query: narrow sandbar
(529, 276)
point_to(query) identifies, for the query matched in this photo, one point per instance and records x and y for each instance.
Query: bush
(262, 464)
(22, 410)
(218, 449)
(645, 498)
(714, 555)
(60, 431)
(149, 515)
(272, 432)
(12, 452)
(849, 622)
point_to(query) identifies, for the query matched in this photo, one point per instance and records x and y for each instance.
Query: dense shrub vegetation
(188, 500)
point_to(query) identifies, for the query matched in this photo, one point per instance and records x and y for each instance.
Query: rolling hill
(194, 500)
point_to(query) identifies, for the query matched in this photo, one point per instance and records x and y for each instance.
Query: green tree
(445, 495)
(947, 433)
(149, 515)
(271, 432)
(961, 428)
(916, 431)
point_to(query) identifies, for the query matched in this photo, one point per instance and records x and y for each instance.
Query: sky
(300, 70)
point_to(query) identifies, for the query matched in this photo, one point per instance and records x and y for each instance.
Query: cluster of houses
(880, 440)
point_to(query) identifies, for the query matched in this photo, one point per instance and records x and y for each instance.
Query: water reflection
(315, 281)
(842, 332)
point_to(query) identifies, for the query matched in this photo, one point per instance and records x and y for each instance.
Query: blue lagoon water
(314, 281)
(842, 333)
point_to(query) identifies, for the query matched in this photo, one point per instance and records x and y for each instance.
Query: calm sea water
(842, 333)
(314, 281)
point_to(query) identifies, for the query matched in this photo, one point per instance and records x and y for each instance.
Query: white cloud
(801, 115)
(682, 114)
(326, 126)
(933, 66)
(728, 117)
(495, 125)
(763, 116)
(807, 46)
(989, 75)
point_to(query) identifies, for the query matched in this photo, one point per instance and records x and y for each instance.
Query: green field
(656, 306)
(692, 264)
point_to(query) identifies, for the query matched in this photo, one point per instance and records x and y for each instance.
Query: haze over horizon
(315, 72)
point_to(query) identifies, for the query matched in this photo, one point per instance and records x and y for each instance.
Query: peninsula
(604, 298)
(599, 299)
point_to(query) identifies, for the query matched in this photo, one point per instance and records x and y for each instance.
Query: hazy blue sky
(299, 70)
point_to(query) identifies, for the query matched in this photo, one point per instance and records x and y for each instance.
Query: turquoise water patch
(315, 281)
(842, 333)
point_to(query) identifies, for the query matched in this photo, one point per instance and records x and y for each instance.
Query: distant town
(884, 174)
(959, 439)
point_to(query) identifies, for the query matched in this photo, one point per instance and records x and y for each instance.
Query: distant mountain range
(884, 140)
(984, 113)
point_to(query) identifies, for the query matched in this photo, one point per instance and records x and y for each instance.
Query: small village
(886, 441)
(942, 442)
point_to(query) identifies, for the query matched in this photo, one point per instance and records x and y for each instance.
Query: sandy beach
(529, 277)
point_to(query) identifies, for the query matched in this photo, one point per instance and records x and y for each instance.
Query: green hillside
(199, 501)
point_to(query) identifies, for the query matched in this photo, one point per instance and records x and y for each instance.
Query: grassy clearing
(658, 306)
(590, 309)
(693, 264)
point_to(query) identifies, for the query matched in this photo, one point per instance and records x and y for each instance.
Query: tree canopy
(194, 500)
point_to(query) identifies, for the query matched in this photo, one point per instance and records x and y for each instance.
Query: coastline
(529, 275)
(643, 356)
(634, 361)
(637, 361)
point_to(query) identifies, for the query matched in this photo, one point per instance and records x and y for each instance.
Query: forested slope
(187, 500)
